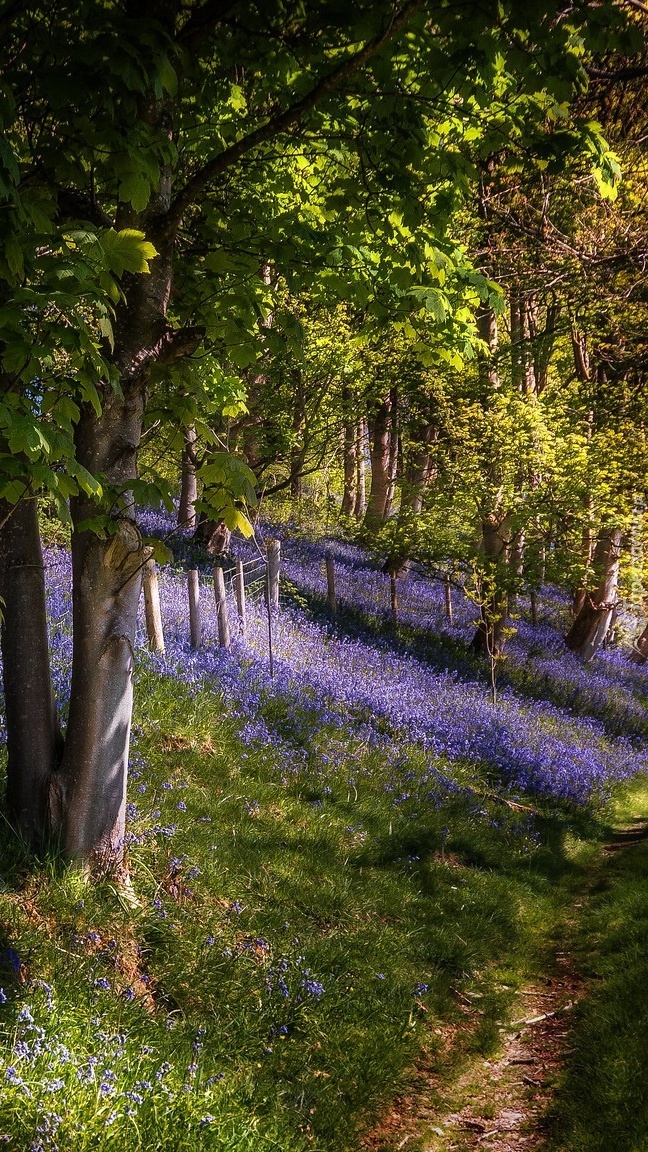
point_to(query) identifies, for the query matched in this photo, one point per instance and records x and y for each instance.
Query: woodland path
(501, 1104)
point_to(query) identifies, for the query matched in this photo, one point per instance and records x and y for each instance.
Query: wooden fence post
(447, 589)
(330, 585)
(195, 624)
(221, 607)
(154, 630)
(239, 585)
(273, 554)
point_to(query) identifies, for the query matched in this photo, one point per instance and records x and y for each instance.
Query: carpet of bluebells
(320, 857)
(560, 729)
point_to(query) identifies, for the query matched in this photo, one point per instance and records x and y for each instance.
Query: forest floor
(364, 894)
(508, 1103)
(500, 1103)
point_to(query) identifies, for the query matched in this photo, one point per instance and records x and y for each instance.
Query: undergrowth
(296, 939)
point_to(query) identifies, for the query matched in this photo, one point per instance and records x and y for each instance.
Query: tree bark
(195, 622)
(639, 651)
(188, 484)
(394, 439)
(107, 585)
(418, 470)
(361, 483)
(297, 453)
(598, 611)
(33, 737)
(522, 364)
(380, 452)
(350, 457)
(486, 321)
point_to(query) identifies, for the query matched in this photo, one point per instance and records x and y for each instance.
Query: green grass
(602, 1103)
(309, 879)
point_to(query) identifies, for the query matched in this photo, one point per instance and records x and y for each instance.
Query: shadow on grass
(602, 1101)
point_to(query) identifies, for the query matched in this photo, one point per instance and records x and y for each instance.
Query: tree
(152, 152)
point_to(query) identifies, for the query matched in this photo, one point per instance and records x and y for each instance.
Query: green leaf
(235, 519)
(127, 250)
(136, 190)
(90, 485)
(159, 551)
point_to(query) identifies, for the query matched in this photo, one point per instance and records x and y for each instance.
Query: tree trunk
(598, 611)
(639, 652)
(361, 483)
(350, 457)
(107, 589)
(394, 439)
(522, 365)
(189, 484)
(418, 470)
(195, 622)
(297, 450)
(33, 738)
(486, 321)
(488, 639)
(380, 452)
(587, 543)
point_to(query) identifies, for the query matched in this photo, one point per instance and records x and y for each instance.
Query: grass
(602, 1102)
(298, 940)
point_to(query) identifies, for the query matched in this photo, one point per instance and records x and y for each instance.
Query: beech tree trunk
(188, 484)
(195, 622)
(350, 458)
(361, 481)
(107, 579)
(639, 651)
(486, 320)
(591, 626)
(33, 737)
(418, 470)
(522, 364)
(380, 449)
(394, 440)
(297, 450)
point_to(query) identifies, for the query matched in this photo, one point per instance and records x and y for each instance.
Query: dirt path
(498, 1104)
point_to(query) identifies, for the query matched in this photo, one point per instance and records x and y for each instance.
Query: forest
(323, 575)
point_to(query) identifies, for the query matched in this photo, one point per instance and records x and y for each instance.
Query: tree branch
(636, 4)
(289, 117)
(619, 74)
(203, 20)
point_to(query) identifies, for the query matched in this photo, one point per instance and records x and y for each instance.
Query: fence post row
(154, 630)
